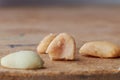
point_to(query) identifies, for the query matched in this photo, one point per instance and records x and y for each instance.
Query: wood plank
(25, 27)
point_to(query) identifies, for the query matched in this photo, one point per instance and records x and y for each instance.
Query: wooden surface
(23, 28)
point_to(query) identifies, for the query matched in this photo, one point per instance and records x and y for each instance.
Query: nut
(63, 47)
(22, 60)
(101, 49)
(42, 47)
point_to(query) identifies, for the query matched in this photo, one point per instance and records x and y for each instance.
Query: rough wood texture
(23, 28)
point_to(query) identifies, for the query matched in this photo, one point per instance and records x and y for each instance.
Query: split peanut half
(101, 49)
(63, 47)
(42, 47)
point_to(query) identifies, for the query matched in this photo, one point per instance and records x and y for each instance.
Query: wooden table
(23, 28)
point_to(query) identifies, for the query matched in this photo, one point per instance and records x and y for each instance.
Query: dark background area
(56, 2)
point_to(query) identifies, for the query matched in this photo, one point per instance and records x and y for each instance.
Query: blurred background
(28, 21)
(56, 2)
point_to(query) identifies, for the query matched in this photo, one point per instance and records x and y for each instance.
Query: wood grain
(24, 28)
